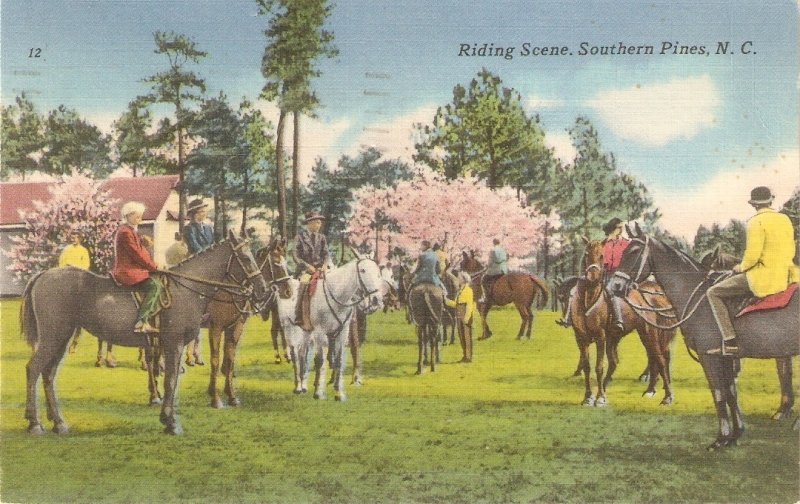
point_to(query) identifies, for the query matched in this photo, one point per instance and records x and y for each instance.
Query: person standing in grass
(464, 303)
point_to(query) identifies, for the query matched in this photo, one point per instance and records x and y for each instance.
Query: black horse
(59, 302)
(763, 334)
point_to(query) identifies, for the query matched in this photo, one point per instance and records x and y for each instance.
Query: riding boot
(616, 310)
(305, 309)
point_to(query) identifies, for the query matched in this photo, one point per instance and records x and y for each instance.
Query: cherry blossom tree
(461, 214)
(76, 205)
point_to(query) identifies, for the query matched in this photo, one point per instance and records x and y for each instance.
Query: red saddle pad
(771, 302)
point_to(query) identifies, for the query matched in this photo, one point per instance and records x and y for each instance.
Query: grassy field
(507, 428)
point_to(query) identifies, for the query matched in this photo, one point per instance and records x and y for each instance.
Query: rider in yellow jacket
(766, 267)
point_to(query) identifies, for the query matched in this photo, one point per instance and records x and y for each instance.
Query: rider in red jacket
(133, 265)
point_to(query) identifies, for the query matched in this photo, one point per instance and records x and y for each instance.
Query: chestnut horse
(518, 287)
(592, 322)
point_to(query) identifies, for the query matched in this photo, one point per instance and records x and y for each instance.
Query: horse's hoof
(278, 359)
(601, 402)
(297, 391)
(667, 401)
(216, 403)
(287, 358)
(155, 401)
(143, 366)
(320, 396)
(234, 402)
(357, 382)
(589, 401)
(796, 425)
(340, 397)
(649, 394)
(173, 430)
(644, 377)
(36, 429)
(98, 363)
(61, 428)
(721, 444)
(111, 363)
(418, 372)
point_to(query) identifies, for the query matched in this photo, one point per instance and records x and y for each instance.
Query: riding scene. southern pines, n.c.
(298, 251)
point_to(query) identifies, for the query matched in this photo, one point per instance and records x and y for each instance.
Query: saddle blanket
(771, 302)
(312, 283)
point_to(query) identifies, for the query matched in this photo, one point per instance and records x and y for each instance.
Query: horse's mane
(213, 246)
(683, 256)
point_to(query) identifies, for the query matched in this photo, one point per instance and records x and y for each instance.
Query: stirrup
(728, 349)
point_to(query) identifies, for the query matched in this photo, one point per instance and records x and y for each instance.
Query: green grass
(507, 428)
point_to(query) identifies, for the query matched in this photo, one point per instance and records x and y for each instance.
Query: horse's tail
(538, 282)
(427, 296)
(27, 318)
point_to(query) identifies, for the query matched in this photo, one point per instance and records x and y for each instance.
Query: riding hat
(312, 216)
(196, 205)
(761, 196)
(609, 226)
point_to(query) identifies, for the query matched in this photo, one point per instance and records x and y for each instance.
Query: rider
(613, 247)
(133, 265)
(199, 235)
(427, 270)
(766, 267)
(311, 254)
(498, 266)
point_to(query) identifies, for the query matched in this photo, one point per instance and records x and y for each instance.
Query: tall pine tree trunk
(280, 175)
(246, 186)
(296, 173)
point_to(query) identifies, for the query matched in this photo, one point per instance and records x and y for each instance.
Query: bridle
(239, 287)
(363, 292)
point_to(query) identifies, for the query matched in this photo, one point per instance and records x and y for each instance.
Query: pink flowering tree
(76, 205)
(461, 214)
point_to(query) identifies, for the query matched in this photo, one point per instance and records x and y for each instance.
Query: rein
(329, 295)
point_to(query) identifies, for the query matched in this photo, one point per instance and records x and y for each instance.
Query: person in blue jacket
(199, 235)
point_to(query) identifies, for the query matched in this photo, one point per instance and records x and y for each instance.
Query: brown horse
(592, 322)
(721, 261)
(516, 287)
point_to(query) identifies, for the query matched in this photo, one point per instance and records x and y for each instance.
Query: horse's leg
(600, 344)
(232, 337)
(173, 351)
(142, 361)
(486, 333)
(341, 365)
(784, 366)
(737, 418)
(612, 350)
(433, 337)
(273, 331)
(531, 318)
(588, 398)
(321, 366)
(523, 314)
(355, 353)
(214, 342)
(662, 359)
(421, 346)
(49, 377)
(716, 376)
(286, 353)
(99, 360)
(110, 360)
(150, 361)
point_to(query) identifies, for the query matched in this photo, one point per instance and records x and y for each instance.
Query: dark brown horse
(272, 262)
(592, 321)
(721, 261)
(518, 287)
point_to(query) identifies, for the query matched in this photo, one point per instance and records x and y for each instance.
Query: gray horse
(58, 302)
(763, 334)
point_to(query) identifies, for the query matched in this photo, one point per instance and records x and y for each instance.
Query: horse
(592, 323)
(762, 334)
(228, 314)
(518, 287)
(426, 308)
(453, 286)
(272, 261)
(717, 260)
(57, 302)
(356, 284)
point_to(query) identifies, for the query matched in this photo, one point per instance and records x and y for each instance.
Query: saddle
(163, 301)
(771, 302)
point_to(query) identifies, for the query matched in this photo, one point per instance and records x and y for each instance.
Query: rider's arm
(189, 234)
(138, 253)
(755, 245)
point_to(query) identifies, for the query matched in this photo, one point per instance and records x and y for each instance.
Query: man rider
(427, 270)
(766, 267)
(311, 255)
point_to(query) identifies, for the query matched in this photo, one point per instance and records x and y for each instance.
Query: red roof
(152, 191)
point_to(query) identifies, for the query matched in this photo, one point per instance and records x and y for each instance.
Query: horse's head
(635, 265)
(469, 263)
(718, 260)
(593, 260)
(272, 262)
(242, 268)
(372, 288)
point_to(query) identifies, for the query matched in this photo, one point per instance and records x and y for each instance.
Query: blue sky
(700, 131)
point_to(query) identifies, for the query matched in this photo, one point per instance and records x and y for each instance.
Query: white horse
(355, 284)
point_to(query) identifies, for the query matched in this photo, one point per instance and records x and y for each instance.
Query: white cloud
(395, 137)
(534, 103)
(562, 146)
(725, 196)
(659, 113)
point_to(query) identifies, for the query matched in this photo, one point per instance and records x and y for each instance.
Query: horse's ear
(472, 254)
(464, 254)
(585, 239)
(231, 236)
(716, 252)
(639, 231)
(629, 231)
